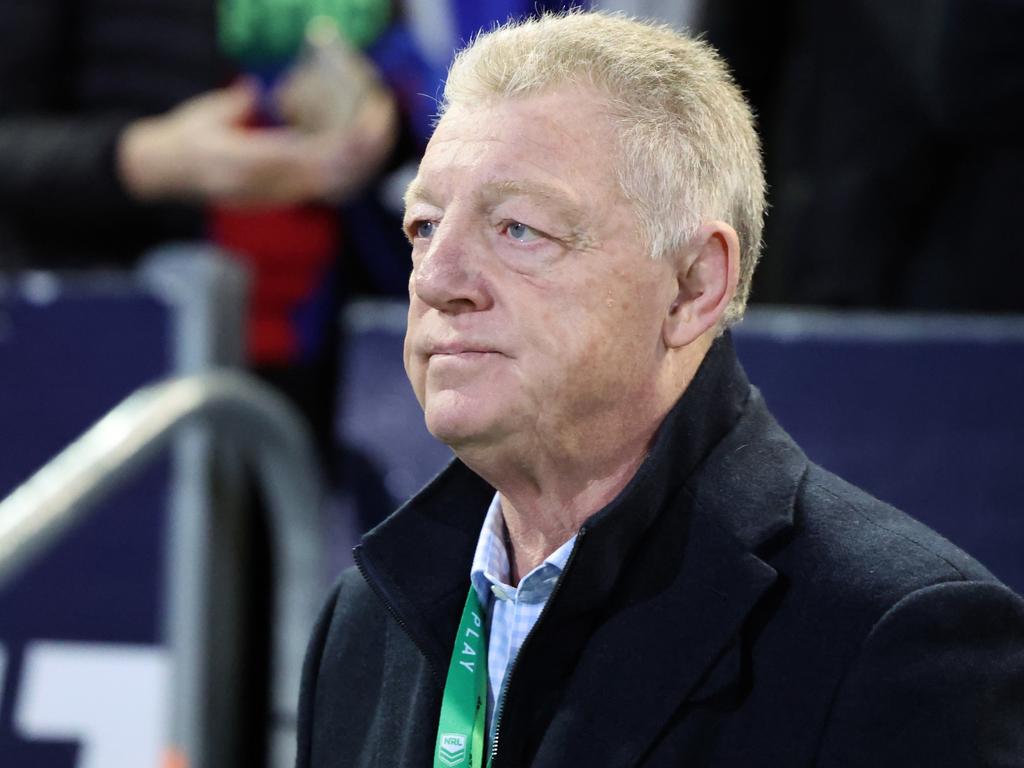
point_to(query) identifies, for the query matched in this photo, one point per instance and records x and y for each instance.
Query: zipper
(515, 662)
(361, 567)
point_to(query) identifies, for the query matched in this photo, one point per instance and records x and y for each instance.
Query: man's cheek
(415, 371)
(407, 362)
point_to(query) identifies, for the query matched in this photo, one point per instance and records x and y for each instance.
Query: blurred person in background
(118, 132)
(894, 137)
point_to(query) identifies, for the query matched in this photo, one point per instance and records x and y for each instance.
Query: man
(630, 563)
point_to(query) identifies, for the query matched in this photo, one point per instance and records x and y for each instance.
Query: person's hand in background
(351, 151)
(202, 151)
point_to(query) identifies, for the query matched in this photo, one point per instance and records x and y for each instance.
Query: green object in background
(273, 30)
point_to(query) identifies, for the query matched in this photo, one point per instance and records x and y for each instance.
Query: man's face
(535, 314)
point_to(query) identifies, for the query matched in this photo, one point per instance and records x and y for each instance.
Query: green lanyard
(460, 732)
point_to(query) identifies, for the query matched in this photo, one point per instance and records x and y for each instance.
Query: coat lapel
(418, 560)
(673, 635)
(656, 653)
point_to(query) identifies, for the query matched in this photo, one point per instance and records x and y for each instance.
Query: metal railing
(265, 429)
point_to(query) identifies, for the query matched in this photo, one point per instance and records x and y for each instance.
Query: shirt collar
(491, 565)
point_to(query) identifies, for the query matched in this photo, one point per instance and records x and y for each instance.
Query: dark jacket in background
(73, 74)
(736, 605)
(894, 143)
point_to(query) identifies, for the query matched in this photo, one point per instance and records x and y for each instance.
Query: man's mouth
(460, 349)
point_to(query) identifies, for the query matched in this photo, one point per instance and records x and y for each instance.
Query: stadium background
(886, 333)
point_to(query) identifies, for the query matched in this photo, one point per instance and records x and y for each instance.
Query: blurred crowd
(894, 141)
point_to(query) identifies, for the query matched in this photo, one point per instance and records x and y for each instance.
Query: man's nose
(449, 276)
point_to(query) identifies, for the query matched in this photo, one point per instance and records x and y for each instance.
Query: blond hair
(688, 149)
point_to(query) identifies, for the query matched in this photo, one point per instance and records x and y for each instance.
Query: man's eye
(423, 228)
(521, 233)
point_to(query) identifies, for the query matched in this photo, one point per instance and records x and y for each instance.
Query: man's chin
(454, 432)
(458, 428)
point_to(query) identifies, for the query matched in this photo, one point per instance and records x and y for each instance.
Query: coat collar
(655, 593)
(673, 632)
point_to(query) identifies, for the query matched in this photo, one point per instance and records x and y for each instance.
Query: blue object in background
(70, 351)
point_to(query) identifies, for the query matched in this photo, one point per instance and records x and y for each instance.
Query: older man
(630, 563)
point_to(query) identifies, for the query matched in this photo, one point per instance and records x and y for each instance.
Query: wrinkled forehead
(546, 143)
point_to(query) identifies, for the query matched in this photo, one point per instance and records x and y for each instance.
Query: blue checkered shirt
(512, 611)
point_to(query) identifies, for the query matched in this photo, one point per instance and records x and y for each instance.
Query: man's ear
(707, 271)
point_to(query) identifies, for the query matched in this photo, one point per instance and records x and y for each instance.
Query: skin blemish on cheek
(547, 317)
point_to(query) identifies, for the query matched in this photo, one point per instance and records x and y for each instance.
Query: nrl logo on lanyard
(462, 721)
(451, 749)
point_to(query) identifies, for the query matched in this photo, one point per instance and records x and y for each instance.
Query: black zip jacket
(735, 605)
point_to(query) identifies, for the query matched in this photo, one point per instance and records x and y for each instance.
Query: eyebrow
(416, 192)
(496, 192)
(492, 194)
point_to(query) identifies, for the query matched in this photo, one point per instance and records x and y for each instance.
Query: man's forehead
(545, 147)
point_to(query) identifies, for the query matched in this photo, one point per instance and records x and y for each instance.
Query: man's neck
(549, 487)
(539, 523)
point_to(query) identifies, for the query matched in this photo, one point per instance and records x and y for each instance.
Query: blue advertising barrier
(121, 643)
(80, 653)
(926, 413)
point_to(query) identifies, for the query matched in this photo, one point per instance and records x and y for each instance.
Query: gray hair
(688, 149)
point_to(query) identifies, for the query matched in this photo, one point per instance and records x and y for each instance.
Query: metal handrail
(259, 422)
